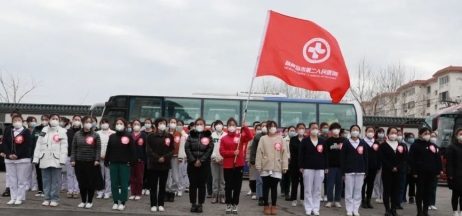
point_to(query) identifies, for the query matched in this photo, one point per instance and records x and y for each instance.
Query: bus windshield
(445, 130)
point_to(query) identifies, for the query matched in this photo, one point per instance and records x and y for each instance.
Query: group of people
(157, 158)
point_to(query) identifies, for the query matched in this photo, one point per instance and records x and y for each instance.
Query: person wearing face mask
(173, 182)
(294, 168)
(271, 162)
(129, 127)
(403, 173)
(31, 123)
(285, 181)
(16, 145)
(454, 171)
(120, 156)
(354, 165)
(32, 184)
(432, 202)
(64, 123)
(313, 163)
(252, 176)
(373, 167)
(253, 154)
(184, 181)
(285, 132)
(324, 128)
(231, 147)
(378, 185)
(198, 148)
(393, 155)
(334, 179)
(104, 134)
(6, 193)
(35, 135)
(51, 154)
(148, 128)
(210, 177)
(137, 170)
(216, 165)
(94, 123)
(410, 181)
(425, 163)
(72, 183)
(160, 149)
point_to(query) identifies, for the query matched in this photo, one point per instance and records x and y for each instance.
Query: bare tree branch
(13, 89)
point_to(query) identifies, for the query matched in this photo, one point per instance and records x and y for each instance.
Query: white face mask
(314, 132)
(301, 132)
(54, 123)
(264, 130)
(285, 133)
(45, 123)
(172, 126)
(459, 138)
(354, 133)
(231, 129)
(77, 123)
(433, 140)
(104, 126)
(17, 124)
(68, 127)
(219, 127)
(426, 137)
(199, 128)
(393, 137)
(399, 138)
(136, 128)
(370, 135)
(146, 126)
(120, 127)
(273, 130)
(161, 127)
(336, 131)
(87, 126)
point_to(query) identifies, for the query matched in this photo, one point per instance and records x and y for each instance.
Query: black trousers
(86, 194)
(146, 184)
(233, 184)
(410, 186)
(285, 183)
(253, 186)
(157, 178)
(38, 171)
(391, 182)
(297, 178)
(424, 183)
(270, 183)
(368, 185)
(456, 200)
(197, 180)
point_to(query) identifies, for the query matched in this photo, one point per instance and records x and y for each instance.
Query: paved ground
(32, 207)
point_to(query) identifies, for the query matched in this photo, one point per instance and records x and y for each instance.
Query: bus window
(187, 110)
(445, 131)
(144, 107)
(113, 115)
(120, 102)
(344, 114)
(220, 110)
(261, 111)
(294, 113)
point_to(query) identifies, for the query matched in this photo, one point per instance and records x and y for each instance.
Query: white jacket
(216, 145)
(104, 136)
(181, 151)
(51, 149)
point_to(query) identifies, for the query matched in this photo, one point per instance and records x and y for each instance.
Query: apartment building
(420, 98)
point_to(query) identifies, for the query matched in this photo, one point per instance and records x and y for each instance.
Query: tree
(14, 88)
(275, 85)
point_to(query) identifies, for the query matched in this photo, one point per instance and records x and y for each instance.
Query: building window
(428, 103)
(436, 92)
(443, 96)
(428, 114)
(429, 89)
(436, 106)
(411, 105)
(411, 91)
(444, 80)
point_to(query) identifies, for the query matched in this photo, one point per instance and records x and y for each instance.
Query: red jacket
(228, 144)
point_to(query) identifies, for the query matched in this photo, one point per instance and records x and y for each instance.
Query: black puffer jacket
(199, 146)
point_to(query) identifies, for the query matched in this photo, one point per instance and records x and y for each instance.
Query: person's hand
(243, 123)
(96, 163)
(301, 170)
(161, 159)
(13, 157)
(394, 169)
(326, 171)
(180, 160)
(365, 176)
(198, 163)
(236, 152)
(72, 163)
(2, 154)
(102, 157)
(415, 176)
(284, 171)
(249, 164)
(259, 171)
(441, 173)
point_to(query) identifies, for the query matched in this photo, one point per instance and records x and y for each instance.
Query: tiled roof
(447, 70)
(49, 108)
(390, 121)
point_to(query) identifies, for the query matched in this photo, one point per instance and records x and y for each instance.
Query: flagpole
(253, 79)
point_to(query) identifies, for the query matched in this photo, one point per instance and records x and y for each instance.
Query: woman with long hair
(137, 170)
(173, 182)
(148, 128)
(72, 183)
(216, 166)
(378, 184)
(104, 135)
(373, 167)
(454, 171)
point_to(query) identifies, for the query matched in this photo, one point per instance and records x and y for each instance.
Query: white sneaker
(11, 202)
(179, 194)
(294, 203)
(315, 213)
(121, 207)
(137, 197)
(147, 193)
(88, 205)
(456, 213)
(128, 187)
(254, 197)
(46, 203)
(143, 192)
(329, 204)
(325, 198)
(34, 189)
(107, 196)
(115, 206)
(433, 208)
(161, 208)
(81, 205)
(154, 208)
(53, 204)
(356, 214)
(338, 205)
(249, 193)
(302, 202)
(349, 214)
(131, 198)
(100, 196)
(17, 202)
(379, 201)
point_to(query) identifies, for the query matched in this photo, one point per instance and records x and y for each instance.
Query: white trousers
(378, 186)
(72, 183)
(32, 179)
(17, 177)
(312, 180)
(353, 185)
(173, 180)
(184, 180)
(107, 180)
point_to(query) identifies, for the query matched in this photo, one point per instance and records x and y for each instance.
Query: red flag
(304, 55)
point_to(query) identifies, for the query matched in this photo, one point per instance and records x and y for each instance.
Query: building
(420, 98)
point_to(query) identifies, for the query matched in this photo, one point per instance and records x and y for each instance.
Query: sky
(82, 52)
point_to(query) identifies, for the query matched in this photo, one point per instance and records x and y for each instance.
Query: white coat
(51, 149)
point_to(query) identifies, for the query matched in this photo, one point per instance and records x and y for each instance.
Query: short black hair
(352, 126)
(105, 120)
(334, 126)
(301, 124)
(159, 120)
(30, 119)
(324, 124)
(15, 112)
(311, 124)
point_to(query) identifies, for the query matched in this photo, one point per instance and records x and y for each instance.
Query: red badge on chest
(277, 146)
(167, 141)
(340, 146)
(360, 150)
(140, 142)
(236, 139)
(375, 147)
(205, 141)
(125, 140)
(320, 148)
(90, 140)
(400, 149)
(177, 139)
(19, 139)
(432, 148)
(56, 138)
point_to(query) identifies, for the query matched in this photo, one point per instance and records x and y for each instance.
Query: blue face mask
(179, 128)
(93, 124)
(325, 131)
(61, 124)
(292, 134)
(33, 124)
(129, 130)
(410, 140)
(380, 136)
